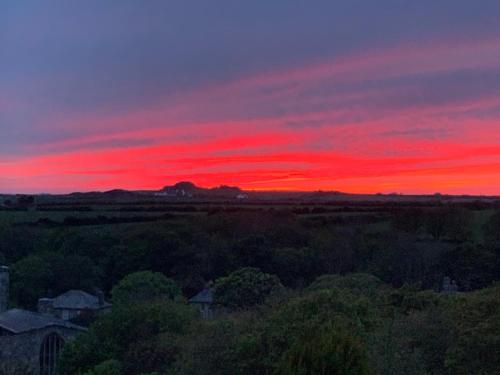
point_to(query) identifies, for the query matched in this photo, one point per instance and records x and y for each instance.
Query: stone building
(74, 303)
(30, 342)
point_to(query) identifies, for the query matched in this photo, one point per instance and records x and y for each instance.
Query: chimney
(100, 296)
(46, 306)
(4, 288)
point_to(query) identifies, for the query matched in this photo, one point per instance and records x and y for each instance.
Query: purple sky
(362, 96)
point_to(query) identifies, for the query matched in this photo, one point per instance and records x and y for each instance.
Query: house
(203, 301)
(74, 303)
(30, 342)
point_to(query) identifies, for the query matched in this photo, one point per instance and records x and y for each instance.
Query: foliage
(48, 274)
(476, 328)
(109, 367)
(126, 334)
(357, 282)
(472, 267)
(30, 279)
(372, 270)
(210, 348)
(143, 286)
(492, 230)
(328, 351)
(245, 288)
(298, 315)
(251, 342)
(415, 338)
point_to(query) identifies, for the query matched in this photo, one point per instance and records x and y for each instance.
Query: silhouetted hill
(113, 194)
(183, 185)
(189, 189)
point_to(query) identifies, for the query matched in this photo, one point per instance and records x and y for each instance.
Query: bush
(109, 367)
(356, 282)
(125, 334)
(476, 328)
(144, 286)
(328, 351)
(245, 288)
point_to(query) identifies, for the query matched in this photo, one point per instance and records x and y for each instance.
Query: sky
(358, 96)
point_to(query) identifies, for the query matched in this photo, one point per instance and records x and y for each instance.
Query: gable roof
(205, 296)
(19, 321)
(78, 300)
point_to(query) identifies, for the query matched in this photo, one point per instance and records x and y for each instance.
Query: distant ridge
(115, 193)
(182, 185)
(189, 191)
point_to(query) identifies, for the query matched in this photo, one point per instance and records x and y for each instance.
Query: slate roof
(205, 296)
(19, 321)
(78, 300)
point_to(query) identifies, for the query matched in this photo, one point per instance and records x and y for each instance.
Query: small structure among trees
(74, 303)
(449, 286)
(203, 302)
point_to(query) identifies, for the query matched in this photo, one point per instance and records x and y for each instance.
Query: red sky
(415, 109)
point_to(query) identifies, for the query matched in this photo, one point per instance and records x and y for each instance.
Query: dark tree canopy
(245, 288)
(327, 351)
(140, 287)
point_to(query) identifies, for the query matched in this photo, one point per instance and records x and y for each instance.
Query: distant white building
(174, 193)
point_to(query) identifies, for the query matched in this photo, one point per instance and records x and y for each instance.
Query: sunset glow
(144, 100)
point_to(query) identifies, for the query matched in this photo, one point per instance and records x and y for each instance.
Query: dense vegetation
(300, 290)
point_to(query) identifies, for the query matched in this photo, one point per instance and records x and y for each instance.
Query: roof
(19, 321)
(78, 300)
(205, 296)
